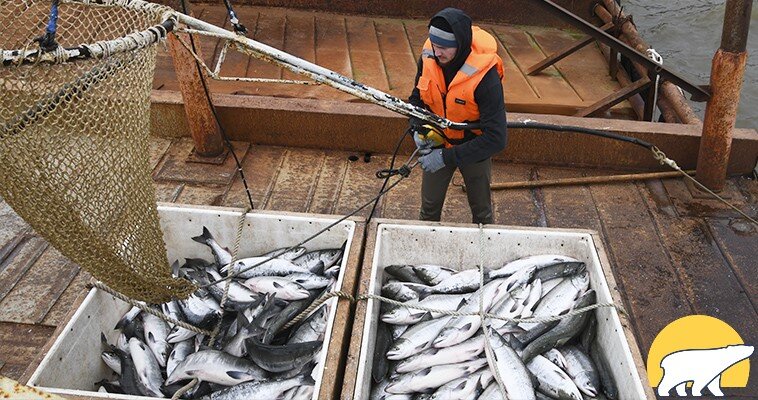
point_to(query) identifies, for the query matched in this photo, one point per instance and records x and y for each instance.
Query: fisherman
(459, 77)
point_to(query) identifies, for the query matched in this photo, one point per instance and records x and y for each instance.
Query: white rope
(653, 55)
(488, 351)
(661, 157)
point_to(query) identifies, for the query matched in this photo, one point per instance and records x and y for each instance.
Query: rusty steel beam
(667, 89)
(614, 98)
(624, 49)
(563, 53)
(727, 71)
(638, 105)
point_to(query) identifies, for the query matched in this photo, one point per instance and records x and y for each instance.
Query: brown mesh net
(74, 146)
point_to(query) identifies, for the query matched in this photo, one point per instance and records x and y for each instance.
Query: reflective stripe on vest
(457, 102)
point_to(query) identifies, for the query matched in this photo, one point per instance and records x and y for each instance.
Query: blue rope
(47, 42)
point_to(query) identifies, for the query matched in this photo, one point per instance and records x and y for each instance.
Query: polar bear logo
(702, 367)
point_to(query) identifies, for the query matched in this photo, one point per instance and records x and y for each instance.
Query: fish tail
(204, 237)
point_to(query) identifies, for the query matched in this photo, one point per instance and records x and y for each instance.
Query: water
(687, 34)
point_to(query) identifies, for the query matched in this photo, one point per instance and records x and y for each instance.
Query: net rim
(100, 49)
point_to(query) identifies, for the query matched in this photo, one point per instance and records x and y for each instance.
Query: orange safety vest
(456, 102)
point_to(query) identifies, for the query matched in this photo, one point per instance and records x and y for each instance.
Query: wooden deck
(383, 52)
(671, 255)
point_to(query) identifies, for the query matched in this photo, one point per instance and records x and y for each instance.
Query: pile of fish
(428, 355)
(251, 356)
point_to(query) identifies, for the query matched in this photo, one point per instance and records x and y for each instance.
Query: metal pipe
(668, 90)
(586, 180)
(727, 73)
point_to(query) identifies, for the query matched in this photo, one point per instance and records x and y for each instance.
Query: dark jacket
(488, 96)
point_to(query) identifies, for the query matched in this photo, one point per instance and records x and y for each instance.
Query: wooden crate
(458, 246)
(70, 363)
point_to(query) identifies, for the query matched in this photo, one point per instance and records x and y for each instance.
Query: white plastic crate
(73, 364)
(460, 247)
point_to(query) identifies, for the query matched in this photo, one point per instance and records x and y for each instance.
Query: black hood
(461, 24)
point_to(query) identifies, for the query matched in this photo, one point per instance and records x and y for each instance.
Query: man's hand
(424, 146)
(432, 162)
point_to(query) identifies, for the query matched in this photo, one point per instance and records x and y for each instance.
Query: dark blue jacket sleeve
(489, 98)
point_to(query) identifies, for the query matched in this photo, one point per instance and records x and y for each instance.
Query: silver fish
(556, 358)
(286, 254)
(537, 261)
(238, 297)
(581, 369)
(404, 273)
(261, 266)
(216, 367)
(148, 372)
(156, 333)
(512, 370)
(463, 388)
(492, 392)
(281, 358)
(309, 281)
(466, 351)
(552, 381)
(180, 351)
(433, 274)
(409, 315)
(399, 291)
(261, 390)
(310, 260)
(221, 254)
(379, 393)
(560, 299)
(432, 377)
(312, 328)
(112, 360)
(462, 282)
(417, 338)
(282, 288)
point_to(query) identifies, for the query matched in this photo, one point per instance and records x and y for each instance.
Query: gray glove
(432, 162)
(424, 145)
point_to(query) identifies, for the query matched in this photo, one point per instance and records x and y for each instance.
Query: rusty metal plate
(641, 264)
(19, 344)
(175, 167)
(10, 389)
(39, 289)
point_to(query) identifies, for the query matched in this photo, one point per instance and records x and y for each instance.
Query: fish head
(585, 385)
(452, 335)
(396, 352)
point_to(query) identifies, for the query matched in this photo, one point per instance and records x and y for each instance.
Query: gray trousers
(477, 178)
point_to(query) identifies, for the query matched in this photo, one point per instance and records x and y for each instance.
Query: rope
(488, 351)
(653, 55)
(316, 304)
(661, 157)
(235, 253)
(144, 307)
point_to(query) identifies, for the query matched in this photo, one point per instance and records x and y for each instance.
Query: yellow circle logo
(698, 352)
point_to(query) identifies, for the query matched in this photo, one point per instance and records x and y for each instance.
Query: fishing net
(74, 159)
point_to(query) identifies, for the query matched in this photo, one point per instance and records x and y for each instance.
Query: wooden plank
(19, 343)
(586, 70)
(18, 262)
(513, 207)
(331, 177)
(36, 293)
(261, 168)
(368, 67)
(68, 301)
(209, 195)
(168, 192)
(157, 149)
(550, 84)
(332, 52)
(176, 168)
(516, 88)
(404, 201)
(642, 267)
(418, 32)
(296, 181)
(11, 229)
(343, 322)
(738, 245)
(397, 56)
(363, 186)
(568, 206)
(706, 275)
(682, 198)
(614, 98)
(564, 52)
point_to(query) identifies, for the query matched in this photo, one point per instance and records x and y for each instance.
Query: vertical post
(197, 105)
(726, 81)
